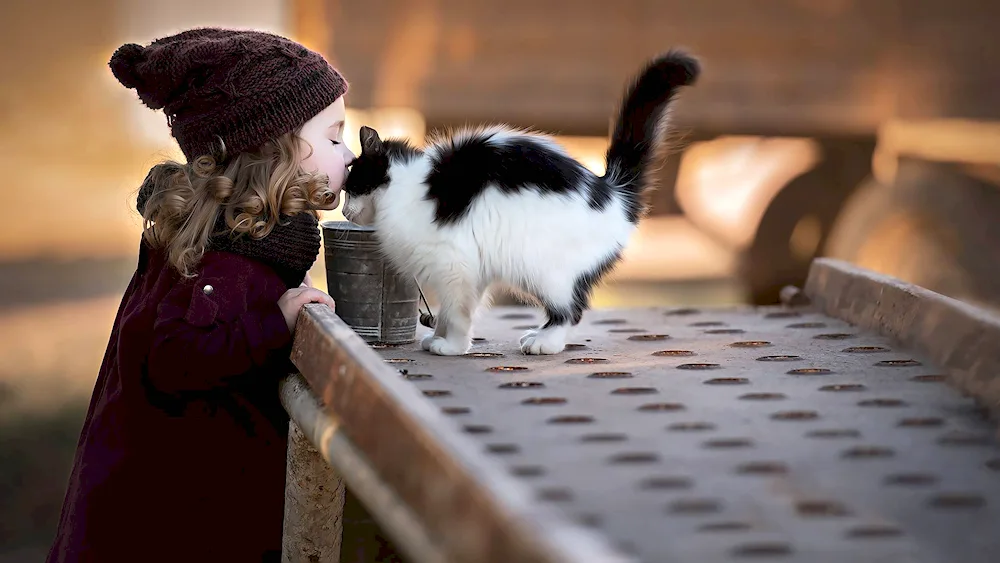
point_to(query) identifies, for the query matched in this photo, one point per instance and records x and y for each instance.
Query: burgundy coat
(182, 454)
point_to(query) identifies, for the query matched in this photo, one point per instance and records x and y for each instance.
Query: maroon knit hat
(245, 87)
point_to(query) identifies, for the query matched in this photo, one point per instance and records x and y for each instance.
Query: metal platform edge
(469, 508)
(961, 338)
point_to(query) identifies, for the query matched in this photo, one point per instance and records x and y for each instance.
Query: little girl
(182, 454)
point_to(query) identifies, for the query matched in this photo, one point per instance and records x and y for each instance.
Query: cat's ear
(370, 142)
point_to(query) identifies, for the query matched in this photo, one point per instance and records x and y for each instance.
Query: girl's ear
(370, 141)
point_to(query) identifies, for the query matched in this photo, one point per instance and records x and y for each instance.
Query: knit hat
(245, 87)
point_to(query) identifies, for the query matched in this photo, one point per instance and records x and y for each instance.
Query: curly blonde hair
(252, 190)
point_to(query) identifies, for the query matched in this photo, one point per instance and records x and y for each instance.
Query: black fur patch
(370, 170)
(461, 172)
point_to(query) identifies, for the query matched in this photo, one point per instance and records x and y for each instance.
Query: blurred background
(863, 130)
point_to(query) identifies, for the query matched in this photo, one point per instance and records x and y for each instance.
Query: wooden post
(314, 505)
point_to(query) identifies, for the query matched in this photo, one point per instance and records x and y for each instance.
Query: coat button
(208, 289)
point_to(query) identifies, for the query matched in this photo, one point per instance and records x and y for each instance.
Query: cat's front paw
(443, 347)
(537, 342)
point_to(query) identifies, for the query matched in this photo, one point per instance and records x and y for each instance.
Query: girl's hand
(292, 301)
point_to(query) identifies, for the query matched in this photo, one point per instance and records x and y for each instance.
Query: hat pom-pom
(123, 63)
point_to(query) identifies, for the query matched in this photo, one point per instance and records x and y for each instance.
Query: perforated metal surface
(702, 436)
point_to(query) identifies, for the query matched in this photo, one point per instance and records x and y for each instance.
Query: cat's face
(367, 179)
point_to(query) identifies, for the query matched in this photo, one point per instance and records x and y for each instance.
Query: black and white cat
(494, 205)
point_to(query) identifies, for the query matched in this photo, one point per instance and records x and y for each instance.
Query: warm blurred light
(588, 150)
(805, 237)
(725, 185)
(398, 123)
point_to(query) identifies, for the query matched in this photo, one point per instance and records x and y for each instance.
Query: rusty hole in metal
(763, 396)
(724, 527)
(544, 401)
(649, 337)
(527, 470)
(911, 479)
(821, 508)
(873, 531)
(555, 494)
(587, 361)
(779, 358)
(728, 443)
(591, 520)
(868, 452)
(810, 371)
(782, 315)
(694, 506)
(865, 349)
(478, 339)
(610, 375)
(993, 464)
(626, 330)
(437, 393)
(807, 325)
(691, 427)
(506, 368)
(843, 387)
(897, 363)
(484, 355)
(673, 353)
(703, 324)
(922, 422)
(398, 361)
(634, 391)
(417, 376)
(795, 415)
(503, 449)
(929, 378)
(725, 331)
(727, 381)
(456, 410)
(965, 439)
(886, 403)
(610, 322)
(571, 419)
(477, 428)
(833, 336)
(523, 327)
(521, 385)
(666, 482)
(682, 312)
(957, 500)
(762, 468)
(698, 366)
(751, 344)
(833, 433)
(762, 549)
(517, 316)
(661, 407)
(634, 457)
(604, 437)
(576, 346)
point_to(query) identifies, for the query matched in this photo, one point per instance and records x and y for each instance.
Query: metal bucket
(378, 303)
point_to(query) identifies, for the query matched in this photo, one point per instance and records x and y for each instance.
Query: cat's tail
(642, 122)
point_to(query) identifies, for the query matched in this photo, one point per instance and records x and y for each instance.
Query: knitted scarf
(290, 248)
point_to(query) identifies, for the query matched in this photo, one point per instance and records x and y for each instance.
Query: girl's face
(327, 153)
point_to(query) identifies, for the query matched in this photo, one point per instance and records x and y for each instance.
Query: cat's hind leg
(564, 302)
(562, 312)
